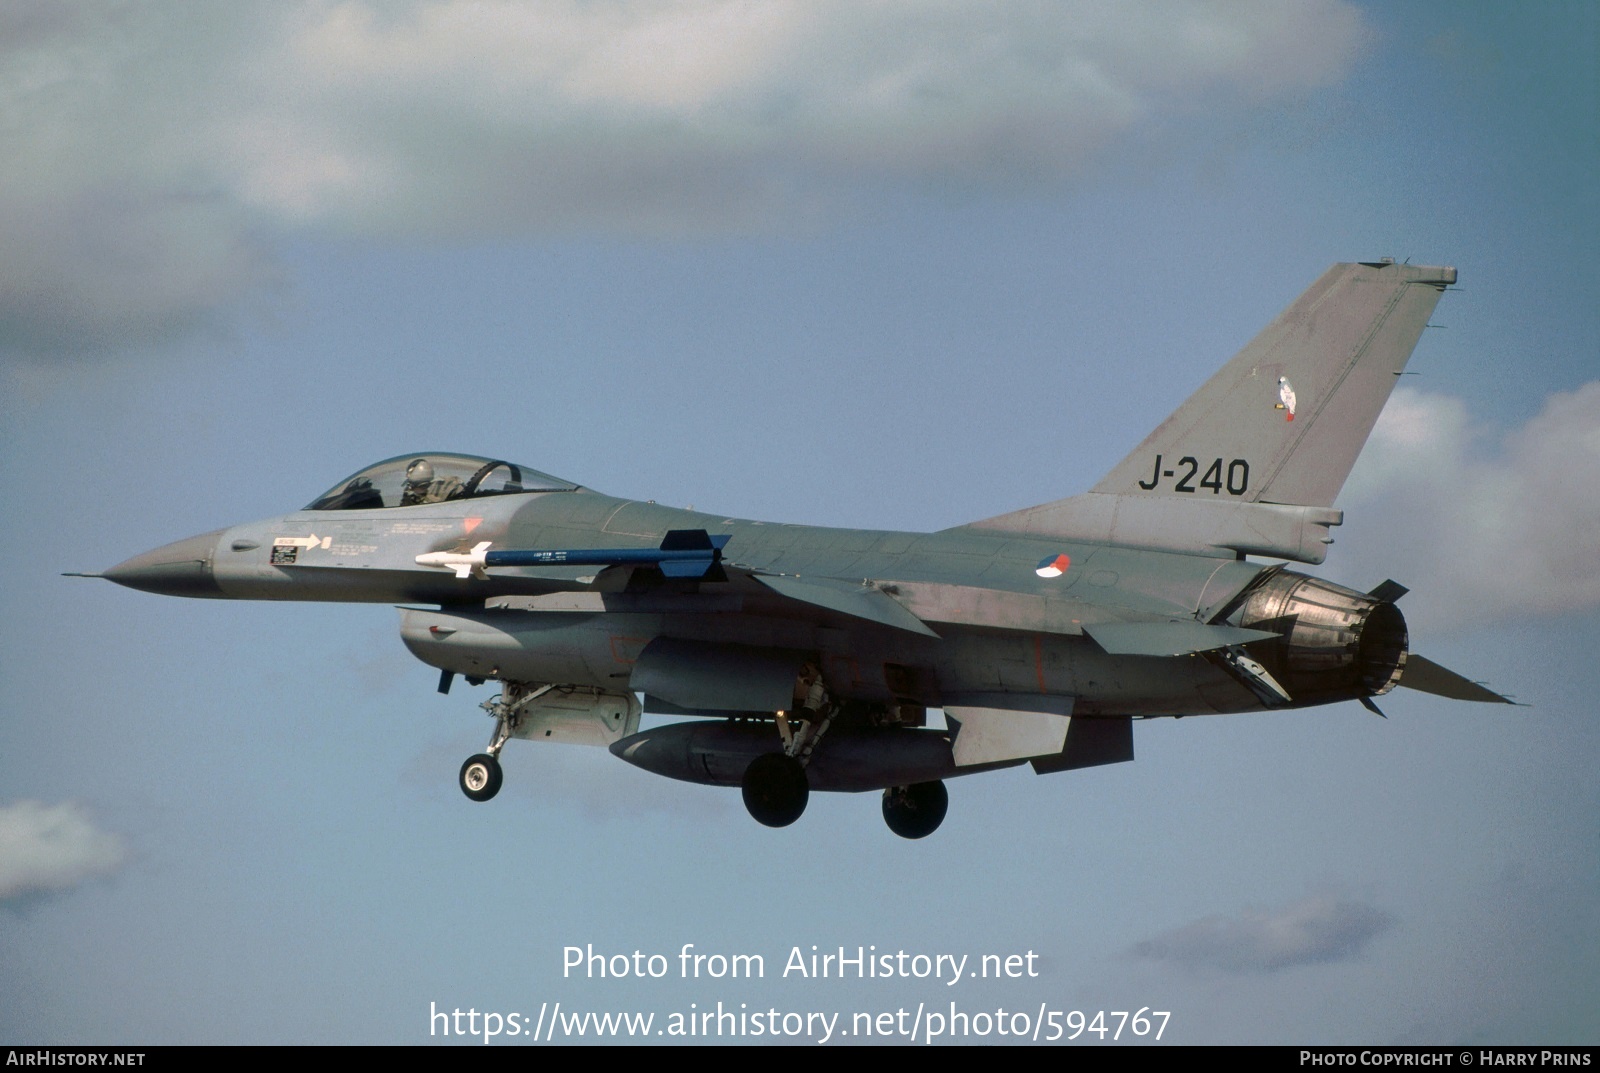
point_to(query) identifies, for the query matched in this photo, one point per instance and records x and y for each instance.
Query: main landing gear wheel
(775, 789)
(480, 777)
(915, 811)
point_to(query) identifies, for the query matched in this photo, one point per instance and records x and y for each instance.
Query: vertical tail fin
(1257, 455)
(1284, 420)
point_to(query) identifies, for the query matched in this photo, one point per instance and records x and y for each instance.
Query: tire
(775, 789)
(480, 777)
(915, 811)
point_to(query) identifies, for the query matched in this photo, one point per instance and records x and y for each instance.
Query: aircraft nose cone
(182, 568)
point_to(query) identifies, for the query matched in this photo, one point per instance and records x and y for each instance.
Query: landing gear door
(578, 716)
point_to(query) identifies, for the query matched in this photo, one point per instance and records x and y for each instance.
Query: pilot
(421, 486)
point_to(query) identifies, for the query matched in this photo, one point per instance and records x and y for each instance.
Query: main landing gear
(776, 787)
(776, 791)
(915, 811)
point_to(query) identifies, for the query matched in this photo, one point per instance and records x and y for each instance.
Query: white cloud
(151, 152)
(1318, 929)
(46, 848)
(1481, 527)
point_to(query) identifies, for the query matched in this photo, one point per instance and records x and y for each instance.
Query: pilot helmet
(419, 472)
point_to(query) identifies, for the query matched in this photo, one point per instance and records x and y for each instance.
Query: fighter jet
(797, 658)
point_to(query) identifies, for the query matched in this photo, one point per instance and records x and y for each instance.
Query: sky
(889, 265)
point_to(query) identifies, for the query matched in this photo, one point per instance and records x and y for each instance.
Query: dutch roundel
(1053, 566)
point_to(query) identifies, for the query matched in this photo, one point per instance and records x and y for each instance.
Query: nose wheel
(480, 777)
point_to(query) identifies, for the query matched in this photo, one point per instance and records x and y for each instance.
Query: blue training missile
(683, 553)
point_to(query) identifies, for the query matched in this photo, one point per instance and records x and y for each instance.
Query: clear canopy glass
(416, 480)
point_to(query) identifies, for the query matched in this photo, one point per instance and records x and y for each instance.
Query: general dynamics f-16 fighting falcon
(800, 658)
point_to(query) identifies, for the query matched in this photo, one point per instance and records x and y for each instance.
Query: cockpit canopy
(414, 480)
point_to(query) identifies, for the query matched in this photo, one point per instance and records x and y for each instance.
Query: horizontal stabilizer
(847, 598)
(1168, 638)
(1389, 591)
(1426, 676)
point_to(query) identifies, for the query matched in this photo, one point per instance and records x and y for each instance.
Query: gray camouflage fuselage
(1041, 633)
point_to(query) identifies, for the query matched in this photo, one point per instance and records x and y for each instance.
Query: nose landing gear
(481, 775)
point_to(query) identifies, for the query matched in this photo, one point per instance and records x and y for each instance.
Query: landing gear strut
(774, 785)
(481, 775)
(915, 811)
